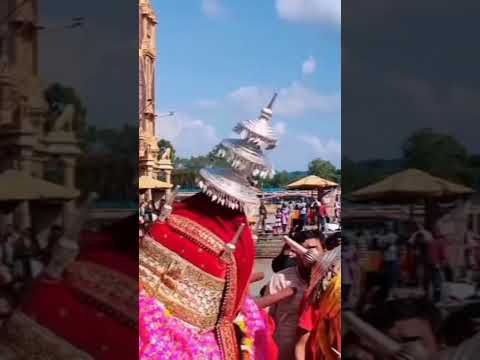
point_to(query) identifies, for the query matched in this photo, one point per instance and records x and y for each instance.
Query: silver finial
(270, 104)
(233, 245)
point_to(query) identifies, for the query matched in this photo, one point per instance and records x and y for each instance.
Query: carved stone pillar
(168, 179)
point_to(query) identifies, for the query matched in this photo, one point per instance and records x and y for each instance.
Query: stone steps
(269, 246)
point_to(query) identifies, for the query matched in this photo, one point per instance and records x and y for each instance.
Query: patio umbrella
(146, 182)
(312, 182)
(410, 186)
(19, 186)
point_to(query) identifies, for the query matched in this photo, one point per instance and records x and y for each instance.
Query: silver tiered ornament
(235, 188)
(260, 131)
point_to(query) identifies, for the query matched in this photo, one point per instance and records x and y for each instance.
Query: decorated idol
(196, 261)
(85, 304)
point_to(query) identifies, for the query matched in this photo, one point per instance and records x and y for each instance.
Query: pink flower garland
(164, 337)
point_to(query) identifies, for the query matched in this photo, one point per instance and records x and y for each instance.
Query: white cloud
(295, 151)
(310, 11)
(213, 8)
(249, 97)
(293, 101)
(189, 136)
(324, 149)
(309, 66)
(280, 128)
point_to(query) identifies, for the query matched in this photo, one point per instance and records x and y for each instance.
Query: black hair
(333, 240)
(385, 315)
(302, 236)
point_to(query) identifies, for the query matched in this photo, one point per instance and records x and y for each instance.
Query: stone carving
(64, 121)
(166, 154)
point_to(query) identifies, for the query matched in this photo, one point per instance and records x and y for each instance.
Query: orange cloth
(296, 214)
(323, 320)
(375, 261)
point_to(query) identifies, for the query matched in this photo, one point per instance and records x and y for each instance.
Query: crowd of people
(403, 286)
(297, 215)
(381, 259)
(306, 325)
(23, 255)
(150, 209)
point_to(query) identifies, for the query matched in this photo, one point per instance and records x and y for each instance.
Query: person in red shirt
(437, 263)
(322, 216)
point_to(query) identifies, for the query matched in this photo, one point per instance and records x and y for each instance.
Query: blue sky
(220, 61)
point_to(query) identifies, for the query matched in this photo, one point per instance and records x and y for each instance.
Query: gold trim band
(198, 234)
(190, 293)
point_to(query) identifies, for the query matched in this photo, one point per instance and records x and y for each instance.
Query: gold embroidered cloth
(197, 233)
(190, 293)
(28, 340)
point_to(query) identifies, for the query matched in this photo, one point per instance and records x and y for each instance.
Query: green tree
(438, 154)
(323, 168)
(58, 96)
(165, 144)
(196, 163)
(280, 179)
(186, 170)
(109, 164)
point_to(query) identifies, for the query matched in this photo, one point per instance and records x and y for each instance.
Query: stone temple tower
(152, 164)
(147, 58)
(27, 145)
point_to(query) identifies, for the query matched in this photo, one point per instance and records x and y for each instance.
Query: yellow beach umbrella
(311, 182)
(19, 186)
(409, 186)
(146, 182)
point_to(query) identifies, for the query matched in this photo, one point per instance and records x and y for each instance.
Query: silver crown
(245, 157)
(260, 131)
(234, 188)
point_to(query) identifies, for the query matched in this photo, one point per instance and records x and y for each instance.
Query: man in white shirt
(286, 312)
(391, 256)
(303, 214)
